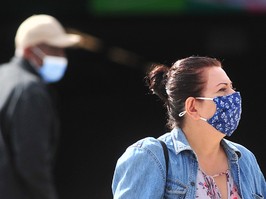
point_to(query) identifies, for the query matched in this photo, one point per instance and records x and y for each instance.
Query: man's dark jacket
(28, 133)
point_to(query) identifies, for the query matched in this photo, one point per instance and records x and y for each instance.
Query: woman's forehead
(216, 76)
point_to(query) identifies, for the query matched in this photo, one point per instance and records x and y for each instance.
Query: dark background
(105, 106)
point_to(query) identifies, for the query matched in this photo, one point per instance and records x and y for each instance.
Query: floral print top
(207, 189)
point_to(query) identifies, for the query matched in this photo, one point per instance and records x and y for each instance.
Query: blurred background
(103, 100)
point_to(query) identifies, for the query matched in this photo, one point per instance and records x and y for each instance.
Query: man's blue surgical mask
(53, 68)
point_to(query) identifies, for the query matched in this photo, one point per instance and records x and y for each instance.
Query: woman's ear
(191, 107)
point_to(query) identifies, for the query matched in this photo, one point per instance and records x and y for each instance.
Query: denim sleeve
(140, 172)
(259, 178)
(252, 179)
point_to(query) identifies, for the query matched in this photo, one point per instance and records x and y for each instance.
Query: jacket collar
(181, 144)
(21, 62)
(179, 140)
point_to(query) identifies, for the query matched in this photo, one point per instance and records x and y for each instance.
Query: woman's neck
(208, 149)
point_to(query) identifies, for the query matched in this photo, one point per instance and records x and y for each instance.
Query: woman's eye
(222, 89)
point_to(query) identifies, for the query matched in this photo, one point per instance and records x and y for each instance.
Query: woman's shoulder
(145, 148)
(236, 146)
(151, 142)
(147, 143)
(242, 151)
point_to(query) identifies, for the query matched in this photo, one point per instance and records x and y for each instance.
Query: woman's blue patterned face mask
(228, 113)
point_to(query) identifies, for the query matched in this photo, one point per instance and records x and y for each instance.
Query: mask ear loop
(204, 119)
(204, 98)
(181, 114)
(38, 52)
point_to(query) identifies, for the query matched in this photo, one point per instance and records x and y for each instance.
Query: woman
(202, 109)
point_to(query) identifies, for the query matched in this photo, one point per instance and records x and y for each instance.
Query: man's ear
(27, 52)
(32, 57)
(191, 107)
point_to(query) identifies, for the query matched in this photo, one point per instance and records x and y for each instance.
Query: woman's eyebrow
(226, 84)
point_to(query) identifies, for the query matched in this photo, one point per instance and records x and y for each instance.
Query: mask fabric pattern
(228, 113)
(53, 68)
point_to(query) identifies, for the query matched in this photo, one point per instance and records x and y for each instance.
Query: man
(29, 126)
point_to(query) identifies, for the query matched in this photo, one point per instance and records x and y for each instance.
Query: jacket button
(192, 184)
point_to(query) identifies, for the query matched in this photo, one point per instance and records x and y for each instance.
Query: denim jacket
(140, 172)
